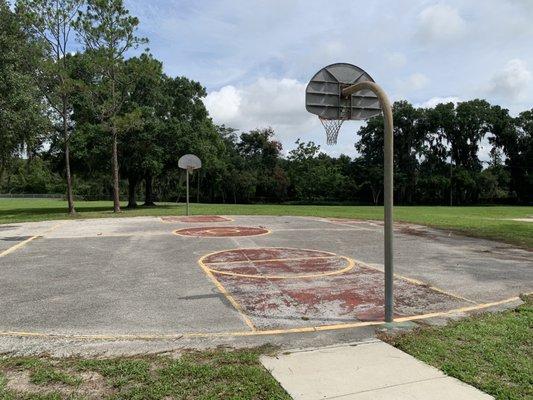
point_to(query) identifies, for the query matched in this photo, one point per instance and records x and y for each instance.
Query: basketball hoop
(333, 126)
(343, 91)
(189, 162)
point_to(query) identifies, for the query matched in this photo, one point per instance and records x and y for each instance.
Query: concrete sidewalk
(369, 370)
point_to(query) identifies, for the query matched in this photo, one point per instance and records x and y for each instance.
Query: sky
(256, 57)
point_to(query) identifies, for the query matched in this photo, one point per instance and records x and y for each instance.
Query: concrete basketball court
(152, 284)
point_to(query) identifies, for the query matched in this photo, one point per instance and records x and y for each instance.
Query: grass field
(493, 352)
(196, 375)
(493, 222)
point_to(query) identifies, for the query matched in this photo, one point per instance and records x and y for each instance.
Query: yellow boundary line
(350, 265)
(226, 294)
(226, 219)
(421, 283)
(25, 242)
(267, 232)
(310, 329)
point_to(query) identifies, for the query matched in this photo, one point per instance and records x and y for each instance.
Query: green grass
(47, 375)
(492, 351)
(492, 222)
(205, 375)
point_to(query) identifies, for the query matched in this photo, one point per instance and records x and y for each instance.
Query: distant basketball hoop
(341, 92)
(189, 162)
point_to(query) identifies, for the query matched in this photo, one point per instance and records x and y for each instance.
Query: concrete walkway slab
(369, 370)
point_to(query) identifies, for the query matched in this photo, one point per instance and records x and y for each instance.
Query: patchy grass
(492, 351)
(205, 375)
(492, 222)
(48, 375)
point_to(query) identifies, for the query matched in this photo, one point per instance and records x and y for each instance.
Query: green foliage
(23, 125)
(113, 111)
(32, 176)
(492, 352)
(215, 374)
(45, 376)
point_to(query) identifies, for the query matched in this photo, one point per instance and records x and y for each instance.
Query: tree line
(86, 111)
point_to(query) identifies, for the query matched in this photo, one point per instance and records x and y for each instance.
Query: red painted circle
(221, 231)
(276, 262)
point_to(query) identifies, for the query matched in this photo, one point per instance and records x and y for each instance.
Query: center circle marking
(221, 231)
(276, 263)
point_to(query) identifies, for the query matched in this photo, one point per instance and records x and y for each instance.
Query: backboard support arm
(388, 186)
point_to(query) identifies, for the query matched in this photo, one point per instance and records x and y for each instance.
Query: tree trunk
(70, 196)
(148, 196)
(375, 195)
(198, 187)
(116, 187)
(68, 176)
(132, 186)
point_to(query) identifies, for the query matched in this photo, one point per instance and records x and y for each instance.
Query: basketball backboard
(189, 162)
(323, 95)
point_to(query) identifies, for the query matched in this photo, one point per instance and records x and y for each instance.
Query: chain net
(333, 126)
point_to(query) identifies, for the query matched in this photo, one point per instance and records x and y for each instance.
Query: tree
(141, 147)
(107, 31)
(410, 132)
(314, 175)
(459, 129)
(22, 116)
(50, 22)
(261, 153)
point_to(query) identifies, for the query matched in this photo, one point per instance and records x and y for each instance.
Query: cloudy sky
(255, 57)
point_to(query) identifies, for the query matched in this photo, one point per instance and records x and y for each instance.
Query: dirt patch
(415, 231)
(93, 385)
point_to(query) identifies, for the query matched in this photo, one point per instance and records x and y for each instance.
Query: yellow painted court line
(421, 283)
(25, 242)
(350, 265)
(226, 294)
(256, 332)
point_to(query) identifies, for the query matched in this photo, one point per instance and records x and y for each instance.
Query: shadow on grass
(14, 213)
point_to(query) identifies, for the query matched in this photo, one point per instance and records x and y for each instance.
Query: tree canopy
(86, 111)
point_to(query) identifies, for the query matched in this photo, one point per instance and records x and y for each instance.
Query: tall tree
(141, 148)
(50, 22)
(107, 31)
(22, 117)
(409, 137)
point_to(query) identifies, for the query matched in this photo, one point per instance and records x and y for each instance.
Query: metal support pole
(388, 187)
(187, 172)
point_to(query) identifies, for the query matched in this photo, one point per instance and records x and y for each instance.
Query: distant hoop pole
(388, 199)
(187, 173)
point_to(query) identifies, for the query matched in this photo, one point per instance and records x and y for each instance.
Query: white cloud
(418, 81)
(440, 22)
(430, 103)
(396, 60)
(412, 83)
(224, 104)
(512, 81)
(279, 103)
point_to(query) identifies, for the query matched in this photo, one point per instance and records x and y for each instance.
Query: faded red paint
(266, 253)
(275, 262)
(221, 231)
(356, 295)
(196, 218)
